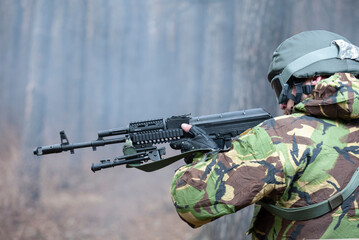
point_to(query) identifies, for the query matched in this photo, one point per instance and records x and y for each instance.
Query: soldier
(299, 169)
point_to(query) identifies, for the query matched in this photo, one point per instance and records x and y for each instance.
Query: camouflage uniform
(290, 161)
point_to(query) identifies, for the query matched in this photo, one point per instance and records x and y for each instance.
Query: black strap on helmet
(299, 92)
(300, 89)
(307, 89)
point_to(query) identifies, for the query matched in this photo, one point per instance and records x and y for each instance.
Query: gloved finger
(204, 142)
(195, 131)
(184, 145)
(187, 146)
(176, 144)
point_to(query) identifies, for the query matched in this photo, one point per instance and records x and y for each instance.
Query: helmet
(309, 54)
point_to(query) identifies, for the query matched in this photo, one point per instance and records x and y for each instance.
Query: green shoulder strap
(318, 209)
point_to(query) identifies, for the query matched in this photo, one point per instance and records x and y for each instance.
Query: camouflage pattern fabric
(290, 161)
(347, 50)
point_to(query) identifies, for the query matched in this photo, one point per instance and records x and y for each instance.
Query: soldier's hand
(199, 140)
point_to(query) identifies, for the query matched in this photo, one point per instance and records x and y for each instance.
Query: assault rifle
(140, 138)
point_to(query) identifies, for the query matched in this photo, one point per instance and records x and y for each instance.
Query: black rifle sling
(153, 166)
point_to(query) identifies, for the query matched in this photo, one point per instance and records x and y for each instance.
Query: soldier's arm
(224, 183)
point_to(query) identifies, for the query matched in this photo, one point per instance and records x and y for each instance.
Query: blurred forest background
(89, 65)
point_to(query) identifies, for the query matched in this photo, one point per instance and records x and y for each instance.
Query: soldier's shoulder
(287, 121)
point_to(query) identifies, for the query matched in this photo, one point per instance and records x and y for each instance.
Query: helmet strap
(299, 92)
(300, 89)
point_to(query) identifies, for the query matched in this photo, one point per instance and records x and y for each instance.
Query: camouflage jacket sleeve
(225, 182)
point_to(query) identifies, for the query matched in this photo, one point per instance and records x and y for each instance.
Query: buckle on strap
(335, 201)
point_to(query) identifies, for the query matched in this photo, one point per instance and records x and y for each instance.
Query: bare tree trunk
(29, 169)
(254, 47)
(186, 47)
(217, 58)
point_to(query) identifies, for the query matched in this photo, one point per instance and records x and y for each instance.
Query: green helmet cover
(304, 43)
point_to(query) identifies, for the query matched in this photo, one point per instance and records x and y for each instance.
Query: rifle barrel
(58, 148)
